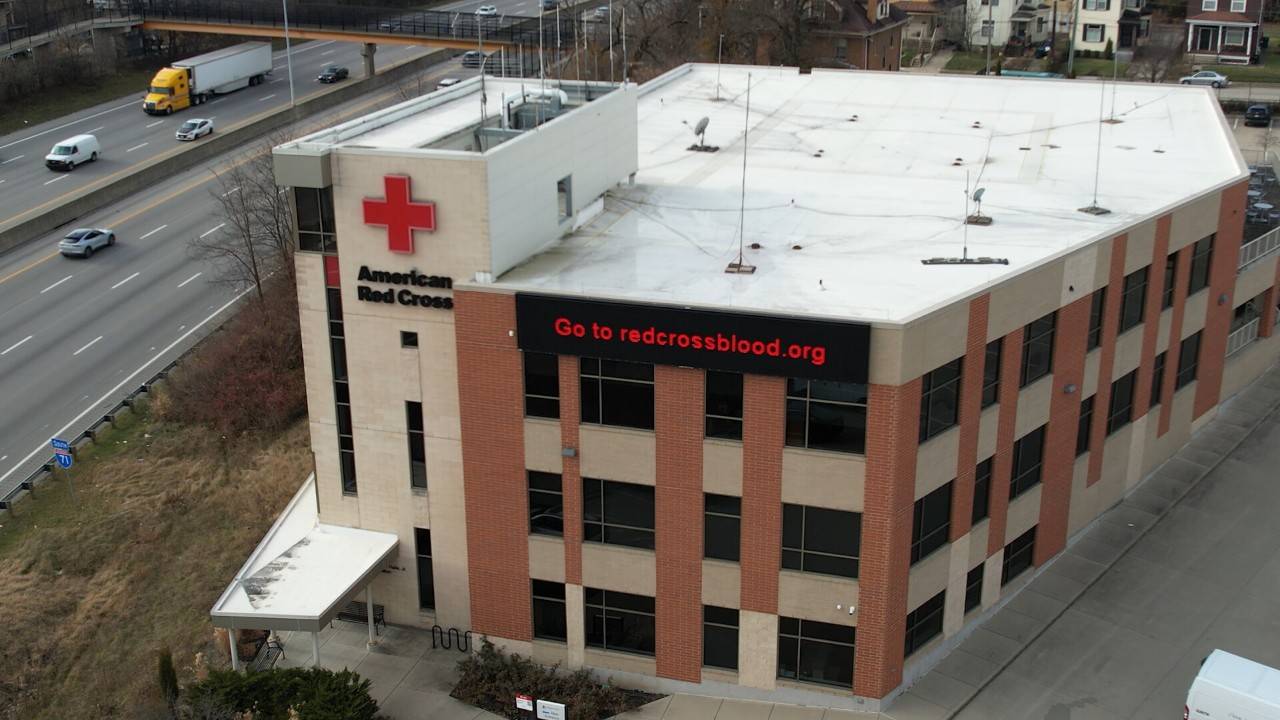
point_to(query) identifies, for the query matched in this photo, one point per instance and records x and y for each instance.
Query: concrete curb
(158, 170)
(1244, 435)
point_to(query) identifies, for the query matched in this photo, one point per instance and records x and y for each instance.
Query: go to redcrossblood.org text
(717, 342)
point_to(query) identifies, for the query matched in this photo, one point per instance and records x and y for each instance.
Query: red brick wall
(1222, 281)
(1010, 371)
(678, 413)
(491, 401)
(763, 434)
(1064, 414)
(893, 427)
(975, 353)
(1151, 318)
(570, 474)
(1110, 327)
(1181, 275)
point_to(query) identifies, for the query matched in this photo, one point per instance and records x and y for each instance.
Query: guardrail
(1258, 248)
(90, 434)
(1240, 338)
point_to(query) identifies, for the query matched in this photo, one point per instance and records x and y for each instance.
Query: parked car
(71, 152)
(1257, 115)
(1206, 77)
(472, 59)
(332, 74)
(486, 11)
(1044, 48)
(447, 82)
(83, 241)
(194, 128)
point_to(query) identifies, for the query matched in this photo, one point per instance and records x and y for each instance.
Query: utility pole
(991, 31)
(1071, 42)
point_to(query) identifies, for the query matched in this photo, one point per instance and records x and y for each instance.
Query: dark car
(472, 58)
(1258, 115)
(332, 74)
(1044, 48)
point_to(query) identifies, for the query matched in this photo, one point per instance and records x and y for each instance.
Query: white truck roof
(219, 54)
(1242, 676)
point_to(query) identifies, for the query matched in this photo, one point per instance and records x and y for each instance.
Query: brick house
(1227, 31)
(857, 34)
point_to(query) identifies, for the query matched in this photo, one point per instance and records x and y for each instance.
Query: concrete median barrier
(165, 167)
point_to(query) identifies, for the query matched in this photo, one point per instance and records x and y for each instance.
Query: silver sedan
(1206, 77)
(82, 242)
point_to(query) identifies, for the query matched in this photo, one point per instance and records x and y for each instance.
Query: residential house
(1002, 22)
(1226, 31)
(860, 34)
(925, 24)
(1122, 23)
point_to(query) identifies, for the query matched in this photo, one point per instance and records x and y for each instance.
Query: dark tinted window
(541, 385)
(549, 611)
(973, 587)
(313, 214)
(924, 623)
(417, 445)
(1157, 380)
(719, 637)
(1133, 300)
(724, 405)
(931, 522)
(408, 339)
(341, 391)
(1028, 454)
(827, 415)
(991, 372)
(617, 393)
(1188, 361)
(426, 581)
(821, 540)
(546, 504)
(1084, 428)
(816, 652)
(1037, 348)
(617, 513)
(1121, 403)
(1018, 556)
(1201, 258)
(722, 526)
(940, 399)
(619, 621)
(1096, 307)
(982, 491)
(1170, 272)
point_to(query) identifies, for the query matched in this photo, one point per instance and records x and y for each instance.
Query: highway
(76, 336)
(129, 136)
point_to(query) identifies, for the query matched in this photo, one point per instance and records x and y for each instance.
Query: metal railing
(427, 24)
(1242, 336)
(1260, 247)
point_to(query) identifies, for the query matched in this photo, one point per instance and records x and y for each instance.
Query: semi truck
(194, 80)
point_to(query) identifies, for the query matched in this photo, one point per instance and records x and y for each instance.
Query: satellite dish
(701, 128)
(977, 194)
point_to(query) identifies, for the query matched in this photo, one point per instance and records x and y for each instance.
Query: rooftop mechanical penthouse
(542, 410)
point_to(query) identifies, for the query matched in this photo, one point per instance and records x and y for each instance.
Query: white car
(1206, 77)
(194, 128)
(486, 11)
(83, 241)
(447, 82)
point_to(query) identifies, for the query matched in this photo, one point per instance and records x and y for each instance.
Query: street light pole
(288, 54)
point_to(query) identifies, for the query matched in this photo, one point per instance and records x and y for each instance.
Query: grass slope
(162, 517)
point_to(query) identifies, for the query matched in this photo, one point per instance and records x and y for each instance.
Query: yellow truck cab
(170, 91)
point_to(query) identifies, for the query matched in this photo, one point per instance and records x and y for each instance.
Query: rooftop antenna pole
(542, 52)
(965, 254)
(484, 98)
(624, 45)
(739, 266)
(1094, 208)
(610, 40)
(559, 47)
(719, 59)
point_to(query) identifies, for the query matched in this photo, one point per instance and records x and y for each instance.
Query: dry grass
(162, 517)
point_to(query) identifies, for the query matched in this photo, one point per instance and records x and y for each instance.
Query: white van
(1230, 687)
(73, 151)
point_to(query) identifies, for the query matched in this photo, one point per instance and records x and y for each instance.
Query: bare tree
(256, 236)
(1160, 56)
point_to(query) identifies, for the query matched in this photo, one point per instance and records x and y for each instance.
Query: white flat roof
(301, 571)
(857, 169)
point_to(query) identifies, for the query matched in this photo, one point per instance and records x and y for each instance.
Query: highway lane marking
(131, 103)
(328, 52)
(211, 231)
(113, 287)
(234, 189)
(16, 345)
(16, 157)
(193, 277)
(158, 122)
(129, 378)
(60, 177)
(55, 285)
(135, 147)
(3, 458)
(267, 97)
(153, 232)
(2, 182)
(86, 347)
(93, 130)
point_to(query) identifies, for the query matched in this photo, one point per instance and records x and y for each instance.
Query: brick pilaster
(491, 404)
(1006, 424)
(1064, 415)
(678, 413)
(1110, 328)
(763, 433)
(975, 354)
(1180, 279)
(1222, 284)
(570, 474)
(893, 417)
(1151, 317)
(1268, 322)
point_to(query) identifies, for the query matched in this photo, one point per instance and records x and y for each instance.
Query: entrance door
(1206, 40)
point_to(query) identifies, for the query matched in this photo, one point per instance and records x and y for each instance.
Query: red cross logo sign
(399, 214)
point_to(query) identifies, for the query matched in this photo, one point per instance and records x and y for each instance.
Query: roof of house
(920, 7)
(854, 18)
(1221, 16)
(854, 177)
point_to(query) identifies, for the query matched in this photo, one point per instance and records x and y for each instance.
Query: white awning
(303, 571)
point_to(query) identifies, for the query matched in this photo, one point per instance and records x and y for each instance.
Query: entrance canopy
(303, 571)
